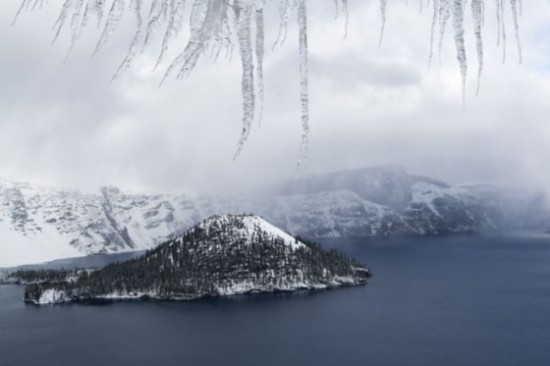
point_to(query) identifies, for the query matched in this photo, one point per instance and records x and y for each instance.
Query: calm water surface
(468, 300)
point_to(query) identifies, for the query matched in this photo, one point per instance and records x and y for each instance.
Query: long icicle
(444, 14)
(497, 6)
(304, 88)
(383, 4)
(157, 13)
(76, 24)
(136, 42)
(477, 18)
(113, 19)
(62, 19)
(285, 10)
(260, 36)
(177, 8)
(202, 35)
(243, 14)
(435, 16)
(88, 10)
(514, 6)
(502, 30)
(345, 10)
(458, 25)
(24, 4)
(100, 11)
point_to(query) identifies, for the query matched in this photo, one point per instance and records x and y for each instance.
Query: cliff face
(224, 255)
(45, 223)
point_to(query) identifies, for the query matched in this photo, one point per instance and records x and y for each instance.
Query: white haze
(63, 123)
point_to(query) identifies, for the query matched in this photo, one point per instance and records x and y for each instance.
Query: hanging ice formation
(443, 10)
(216, 24)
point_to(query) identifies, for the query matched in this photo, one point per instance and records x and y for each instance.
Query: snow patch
(251, 226)
(52, 296)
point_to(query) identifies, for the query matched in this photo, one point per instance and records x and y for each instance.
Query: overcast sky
(63, 123)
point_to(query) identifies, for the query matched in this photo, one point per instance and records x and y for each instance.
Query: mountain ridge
(40, 223)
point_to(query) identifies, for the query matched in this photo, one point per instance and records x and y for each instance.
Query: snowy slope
(44, 223)
(17, 248)
(248, 226)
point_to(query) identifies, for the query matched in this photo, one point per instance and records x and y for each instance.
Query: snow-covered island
(223, 255)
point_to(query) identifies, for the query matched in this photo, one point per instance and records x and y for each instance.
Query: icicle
(514, 6)
(499, 25)
(62, 19)
(113, 19)
(243, 13)
(285, 11)
(458, 25)
(95, 6)
(86, 17)
(100, 11)
(24, 4)
(225, 36)
(444, 14)
(435, 16)
(198, 15)
(76, 25)
(502, 31)
(36, 3)
(157, 12)
(177, 8)
(345, 10)
(260, 55)
(383, 4)
(201, 35)
(304, 92)
(477, 18)
(136, 42)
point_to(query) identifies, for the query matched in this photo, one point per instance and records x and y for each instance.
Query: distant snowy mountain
(387, 200)
(45, 223)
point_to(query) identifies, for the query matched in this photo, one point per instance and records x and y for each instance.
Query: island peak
(222, 255)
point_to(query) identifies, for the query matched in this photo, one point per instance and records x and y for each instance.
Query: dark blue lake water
(468, 300)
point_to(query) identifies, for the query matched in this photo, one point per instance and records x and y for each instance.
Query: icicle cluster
(216, 24)
(443, 10)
